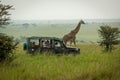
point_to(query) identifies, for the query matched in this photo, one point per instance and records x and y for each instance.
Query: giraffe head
(82, 22)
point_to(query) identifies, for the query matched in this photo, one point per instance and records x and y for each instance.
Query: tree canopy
(4, 14)
(109, 36)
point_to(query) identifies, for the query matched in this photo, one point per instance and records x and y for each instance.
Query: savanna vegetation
(7, 45)
(109, 37)
(4, 13)
(91, 64)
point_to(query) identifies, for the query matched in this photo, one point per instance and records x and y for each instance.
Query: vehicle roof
(39, 37)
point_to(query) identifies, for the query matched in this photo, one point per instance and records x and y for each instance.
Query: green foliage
(7, 44)
(6, 47)
(4, 13)
(110, 36)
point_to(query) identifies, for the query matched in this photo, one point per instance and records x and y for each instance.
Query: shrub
(7, 46)
(109, 37)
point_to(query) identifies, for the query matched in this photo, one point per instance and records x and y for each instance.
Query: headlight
(77, 49)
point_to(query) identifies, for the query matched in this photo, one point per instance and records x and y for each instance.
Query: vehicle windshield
(34, 41)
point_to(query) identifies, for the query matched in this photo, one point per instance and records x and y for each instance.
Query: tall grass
(91, 64)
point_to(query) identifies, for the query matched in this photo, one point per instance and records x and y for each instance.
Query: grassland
(91, 64)
(88, 32)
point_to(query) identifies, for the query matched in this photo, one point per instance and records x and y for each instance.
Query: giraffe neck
(77, 28)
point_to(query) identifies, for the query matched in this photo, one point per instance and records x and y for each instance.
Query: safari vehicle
(41, 44)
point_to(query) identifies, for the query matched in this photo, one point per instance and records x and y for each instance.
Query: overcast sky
(64, 9)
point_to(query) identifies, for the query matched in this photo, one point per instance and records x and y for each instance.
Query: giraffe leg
(74, 43)
(70, 42)
(65, 42)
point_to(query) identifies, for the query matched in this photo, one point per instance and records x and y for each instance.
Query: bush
(7, 47)
(109, 37)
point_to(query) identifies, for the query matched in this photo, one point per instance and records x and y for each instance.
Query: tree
(7, 44)
(4, 14)
(110, 36)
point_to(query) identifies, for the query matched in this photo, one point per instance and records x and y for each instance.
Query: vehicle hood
(73, 48)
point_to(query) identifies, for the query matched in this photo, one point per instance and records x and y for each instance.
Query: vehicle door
(45, 45)
(58, 46)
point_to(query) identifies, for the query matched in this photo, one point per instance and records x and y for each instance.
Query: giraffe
(71, 36)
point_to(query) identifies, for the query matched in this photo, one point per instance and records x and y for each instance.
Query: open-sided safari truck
(41, 44)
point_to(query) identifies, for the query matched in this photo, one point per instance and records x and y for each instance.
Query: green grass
(91, 64)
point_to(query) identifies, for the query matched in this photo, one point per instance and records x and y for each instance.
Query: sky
(64, 9)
